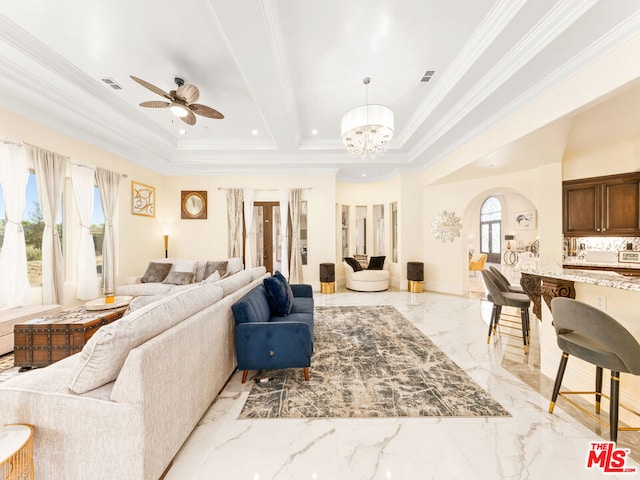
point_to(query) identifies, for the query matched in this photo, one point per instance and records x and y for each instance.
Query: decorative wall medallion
(194, 204)
(446, 226)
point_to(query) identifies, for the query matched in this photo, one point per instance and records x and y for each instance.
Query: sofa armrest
(273, 345)
(301, 290)
(132, 280)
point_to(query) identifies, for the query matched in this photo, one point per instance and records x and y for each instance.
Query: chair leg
(244, 375)
(306, 374)
(492, 321)
(525, 334)
(559, 375)
(598, 387)
(613, 407)
(497, 318)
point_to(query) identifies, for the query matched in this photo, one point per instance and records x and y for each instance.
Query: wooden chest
(43, 341)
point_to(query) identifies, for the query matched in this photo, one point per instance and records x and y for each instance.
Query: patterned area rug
(7, 370)
(370, 362)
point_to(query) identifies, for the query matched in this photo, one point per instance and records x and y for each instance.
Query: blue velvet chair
(267, 341)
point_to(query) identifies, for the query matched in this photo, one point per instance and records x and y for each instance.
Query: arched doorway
(490, 229)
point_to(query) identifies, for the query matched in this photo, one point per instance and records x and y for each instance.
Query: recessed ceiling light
(364, 174)
(182, 131)
(314, 132)
(254, 132)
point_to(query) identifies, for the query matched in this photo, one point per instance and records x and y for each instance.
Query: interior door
(490, 240)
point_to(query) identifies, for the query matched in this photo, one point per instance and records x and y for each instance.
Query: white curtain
(234, 210)
(50, 174)
(284, 233)
(249, 247)
(82, 177)
(295, 199)
(108, 185)
(14, 174)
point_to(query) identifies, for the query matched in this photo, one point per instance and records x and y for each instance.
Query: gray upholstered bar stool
(327, 278)
(415, 277)
(505, 281)
(590, 334)
(501, 297)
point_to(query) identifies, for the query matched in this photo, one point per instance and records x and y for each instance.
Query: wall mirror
(194, 204)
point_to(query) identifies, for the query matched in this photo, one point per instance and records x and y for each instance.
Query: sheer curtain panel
(108, 185)
(284, 233)
(50, 173)
(15, 290)
(295, 200)
(249, 246)
(234, 210)
(82, 177)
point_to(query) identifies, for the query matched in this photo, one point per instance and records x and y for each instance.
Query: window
(303, 231)
(378, 222)
(345, 231)
(394, 231)
(361, 230)
(490, 227)
(97, 228)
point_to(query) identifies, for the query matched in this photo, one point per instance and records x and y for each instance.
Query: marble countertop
(593, 277)
(574, 261)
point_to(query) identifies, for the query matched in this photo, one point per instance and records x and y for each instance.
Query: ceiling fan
(180, 101)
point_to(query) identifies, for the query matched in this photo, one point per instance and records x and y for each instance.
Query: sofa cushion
(302, 305)
(137, 289)
(104, 354)
(179, 278)
(277, 296)
(234, 265)
(252, 307)
(235, 282)
(214, 277)
(376, 263)
(353, 263)
(215, 266)
(182, 265)
(156, 272)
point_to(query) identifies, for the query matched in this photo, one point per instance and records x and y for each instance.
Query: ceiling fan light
(178, 110)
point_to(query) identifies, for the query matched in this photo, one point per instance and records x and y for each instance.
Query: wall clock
(194, 204)
(446, 226)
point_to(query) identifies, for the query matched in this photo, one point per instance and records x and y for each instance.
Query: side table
(16, 452)
(327, 278)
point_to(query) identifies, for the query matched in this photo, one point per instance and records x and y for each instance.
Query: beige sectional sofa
(149, 377)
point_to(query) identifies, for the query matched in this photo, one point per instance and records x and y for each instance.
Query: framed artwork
(526, 220)
(193, 204)
(143, 199)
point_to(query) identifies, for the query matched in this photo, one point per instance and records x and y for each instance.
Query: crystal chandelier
(367, 129)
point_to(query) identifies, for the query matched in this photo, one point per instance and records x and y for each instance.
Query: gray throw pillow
(179, 278)
(215, 266)
(156, 272)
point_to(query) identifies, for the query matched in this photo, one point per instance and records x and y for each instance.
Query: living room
(527, 151)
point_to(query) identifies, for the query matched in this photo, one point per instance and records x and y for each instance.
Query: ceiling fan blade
(189, 93)
(205, 111)
(151, 87)
(189, 119)
(155, 104)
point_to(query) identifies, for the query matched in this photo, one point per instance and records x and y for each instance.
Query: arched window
(490, 227)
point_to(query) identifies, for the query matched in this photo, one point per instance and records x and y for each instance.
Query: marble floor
(531, 444)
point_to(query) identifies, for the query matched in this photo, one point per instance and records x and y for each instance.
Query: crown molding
(494, 23)
(39, 53)
(557, 20)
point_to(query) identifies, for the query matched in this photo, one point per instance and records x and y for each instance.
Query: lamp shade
(367, 129)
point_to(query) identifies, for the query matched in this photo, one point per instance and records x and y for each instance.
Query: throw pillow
(179, 278)
(285, 282)
(376, 263)
(156, 272)
(353, 263)
(214, 277)
(277, 296)
(215, 266)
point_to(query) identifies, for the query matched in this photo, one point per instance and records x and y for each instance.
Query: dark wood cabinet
(602, 206)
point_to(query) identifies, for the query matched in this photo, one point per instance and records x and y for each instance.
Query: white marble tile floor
(531, 444)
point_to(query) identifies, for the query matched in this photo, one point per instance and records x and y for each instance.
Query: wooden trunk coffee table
(43, 341)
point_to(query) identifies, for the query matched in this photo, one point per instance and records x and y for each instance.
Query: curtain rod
(267, 189)
(91, 166)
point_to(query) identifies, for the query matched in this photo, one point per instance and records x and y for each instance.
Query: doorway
(267, 239)
(490, 229)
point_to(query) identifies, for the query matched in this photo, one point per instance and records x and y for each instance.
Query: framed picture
(143, 199)
(194, 204)
(526, 220)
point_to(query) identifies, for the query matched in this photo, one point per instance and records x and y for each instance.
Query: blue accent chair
(266, 341)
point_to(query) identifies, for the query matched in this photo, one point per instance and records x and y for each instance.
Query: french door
(267, 237)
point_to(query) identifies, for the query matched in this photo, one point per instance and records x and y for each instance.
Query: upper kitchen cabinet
(602, 206)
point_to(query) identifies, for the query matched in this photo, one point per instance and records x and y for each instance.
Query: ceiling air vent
(427, 76)
(111, 83)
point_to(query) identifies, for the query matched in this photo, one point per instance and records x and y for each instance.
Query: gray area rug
(370, 361)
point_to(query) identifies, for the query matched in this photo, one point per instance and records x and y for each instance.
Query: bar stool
(327, 278)
(504, 281)
(415, 277)
(502, 298)
(590, 334)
